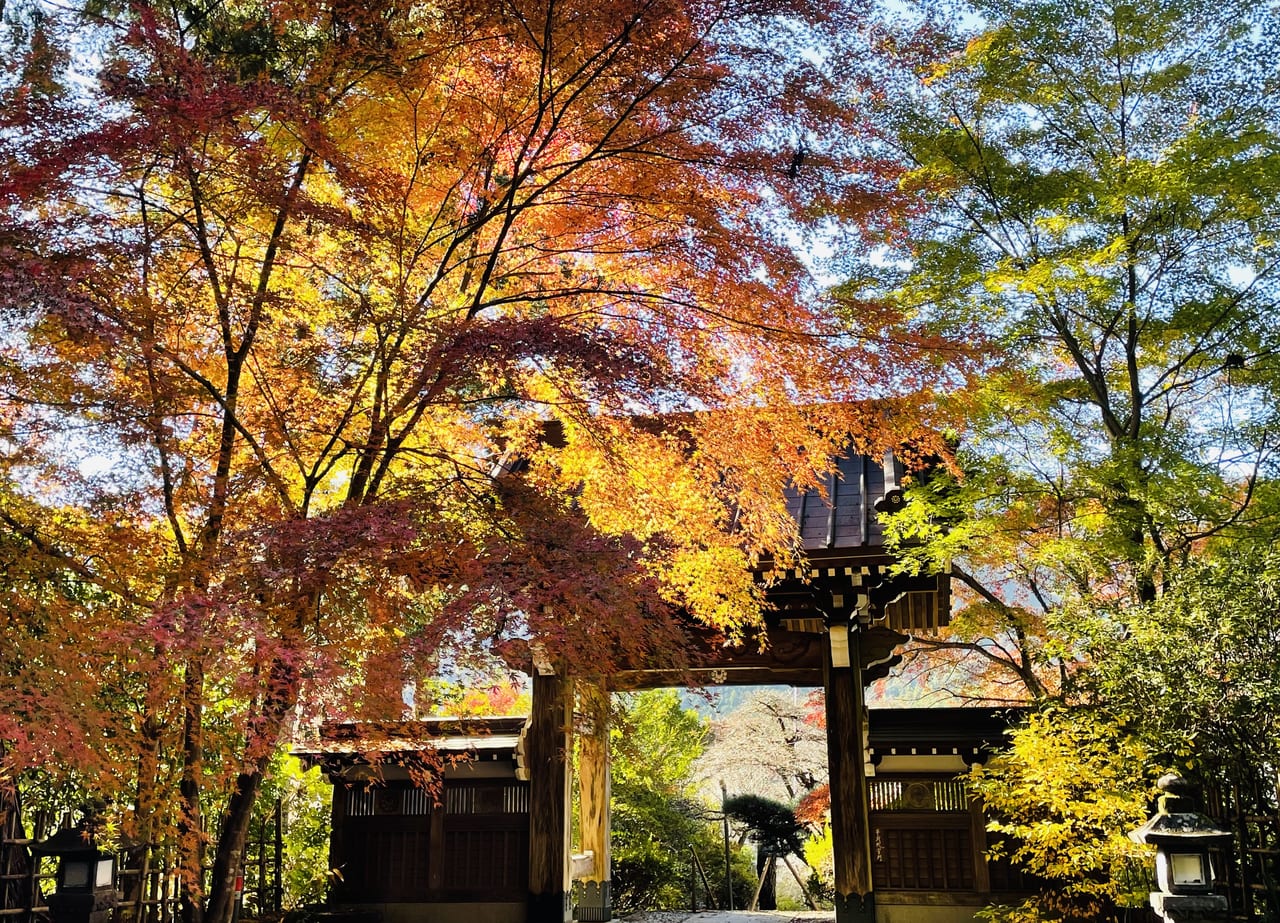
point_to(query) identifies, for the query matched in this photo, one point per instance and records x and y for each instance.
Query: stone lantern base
(96, 906)
(1189, 908)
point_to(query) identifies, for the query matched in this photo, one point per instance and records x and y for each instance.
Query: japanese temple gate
(834, 624)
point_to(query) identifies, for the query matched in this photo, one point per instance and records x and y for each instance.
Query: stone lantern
(86, 890)
(1184, 867)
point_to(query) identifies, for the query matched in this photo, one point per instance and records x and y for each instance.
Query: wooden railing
(150, 891)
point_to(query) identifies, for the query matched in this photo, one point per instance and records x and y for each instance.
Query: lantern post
(86, 884)
(1183, 838)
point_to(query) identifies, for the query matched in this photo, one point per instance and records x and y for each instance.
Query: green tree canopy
(658, 817)
(1187, 683)
(1097, 192)
(1098, 200)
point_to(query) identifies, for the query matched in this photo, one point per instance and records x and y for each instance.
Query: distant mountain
(718, 701)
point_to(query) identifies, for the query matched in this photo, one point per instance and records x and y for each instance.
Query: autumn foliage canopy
(333, 339)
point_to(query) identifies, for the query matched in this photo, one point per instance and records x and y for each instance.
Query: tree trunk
(146, 822)
(228, 857)
(263, 737)
(766, 891)
(190, 822)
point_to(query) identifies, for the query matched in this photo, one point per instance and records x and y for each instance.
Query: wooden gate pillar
(548, 745)
(850, 814)
(594, 902)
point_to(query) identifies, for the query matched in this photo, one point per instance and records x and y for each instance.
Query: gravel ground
(737, 916)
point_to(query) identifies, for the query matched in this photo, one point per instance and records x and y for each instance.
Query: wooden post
(804, 888)
(594, 789)
(277, 871)
(767, 873)
(978, 831)
(693, 886)
(548, 744)
(435, 852)
(337, 840)
(263, 903)
(140, 914)
(766, 870)
(167, 882)
(712, 903)
(850, 821)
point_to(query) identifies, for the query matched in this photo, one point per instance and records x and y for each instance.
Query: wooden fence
(1250, 870)
(146, 876)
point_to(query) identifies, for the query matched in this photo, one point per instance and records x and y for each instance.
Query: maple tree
(1064, 796)
(1097, 191)
(478, 698)
(286, 284)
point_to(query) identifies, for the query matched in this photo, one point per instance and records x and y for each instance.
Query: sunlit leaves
(339, 307)
(1063, 798)
(1096, 194)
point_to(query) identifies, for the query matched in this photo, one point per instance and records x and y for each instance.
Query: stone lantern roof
(1176, 821)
